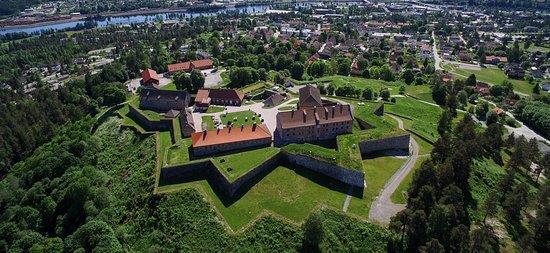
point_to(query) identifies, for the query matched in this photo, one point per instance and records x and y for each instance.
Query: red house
(149, 78)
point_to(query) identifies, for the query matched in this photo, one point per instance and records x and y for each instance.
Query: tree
(385, 94)
(344, 66)
(490, 206)
(366, 73)
(408, 76)
(481, 109)
(452, 104)
(471, 80)
(331, 88)
(491, 117)
(386, 73)
(182, 81)
(484, 240)
(313, 232)
(439, 93)
(445, 123)
(433, 246)
(516, 201)
(197, 80)
(367, 93)
(318, 69)
(462, 97)
(297, 70)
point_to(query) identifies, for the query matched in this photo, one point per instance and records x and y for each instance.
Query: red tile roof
(314, 116)
(200, 64)
(148, 74)
(230, 135)
(182, 66)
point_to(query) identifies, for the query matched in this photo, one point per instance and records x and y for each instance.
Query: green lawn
(377, 172)
(236, 165)
(492, 76)
(178, 153)
(534, 48)
(170, 86)
(209, 122)
(360, 83)
(246, 118)
(255, 87)
(423, 92)
(424, 116)
(399, 196)
(283, 192)
(286, 108)
(214, 109)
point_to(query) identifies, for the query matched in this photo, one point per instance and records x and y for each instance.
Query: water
(134, 19)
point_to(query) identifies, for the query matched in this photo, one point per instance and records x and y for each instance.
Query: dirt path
(382, 209)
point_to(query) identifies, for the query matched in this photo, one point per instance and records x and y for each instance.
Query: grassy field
(283, 192)
(492, 76)
(378, 171)
(424, 116)
(236, 165)
(214, 109)
(360, 83)
(255, 87)
(420, 91)
(178, 153)
(209, 122)
(399, 196)
(246, 118)
(170, 86)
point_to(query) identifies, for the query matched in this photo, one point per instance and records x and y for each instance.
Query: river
(134, 19)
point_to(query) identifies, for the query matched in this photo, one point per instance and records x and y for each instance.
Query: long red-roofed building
(190, 65)
(230, 138)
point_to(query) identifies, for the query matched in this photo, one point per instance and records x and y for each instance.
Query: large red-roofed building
(230, 138)
(190, 65)
(207, 97)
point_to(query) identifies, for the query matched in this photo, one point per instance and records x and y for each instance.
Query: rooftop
(230, 135)
(315, 116)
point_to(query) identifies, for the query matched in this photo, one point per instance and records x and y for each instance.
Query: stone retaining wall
(147, 124)
(396, 142)
(348, 176)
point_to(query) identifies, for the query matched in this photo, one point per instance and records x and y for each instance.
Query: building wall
(149, 125)
(313, 133)
(163, 105)
(206, 150)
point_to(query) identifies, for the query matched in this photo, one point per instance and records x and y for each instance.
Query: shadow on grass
(383, 153)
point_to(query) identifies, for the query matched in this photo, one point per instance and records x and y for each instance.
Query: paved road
(437, 58)
(382, 209)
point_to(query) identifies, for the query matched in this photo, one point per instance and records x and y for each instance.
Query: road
(382, 209)
(437, 57)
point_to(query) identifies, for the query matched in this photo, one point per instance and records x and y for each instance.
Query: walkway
(382, 209)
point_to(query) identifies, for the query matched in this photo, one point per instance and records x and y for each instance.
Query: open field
(236, 165)
(423, 92)
(424, 117)
(359, 82)
(246, 118)
(284, 191)
(492, 76)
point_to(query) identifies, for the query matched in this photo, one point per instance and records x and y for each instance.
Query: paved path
(382, 209)
(348, 199)
(268, 114)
